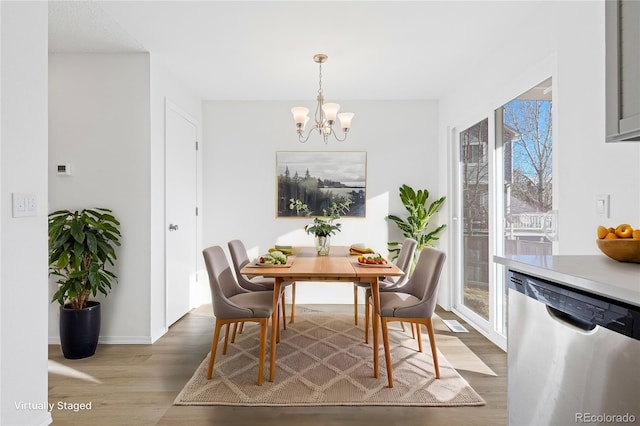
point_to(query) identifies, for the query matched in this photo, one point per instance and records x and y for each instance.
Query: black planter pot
(79, 330)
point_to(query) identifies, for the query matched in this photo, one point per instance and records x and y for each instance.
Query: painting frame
(320, 178)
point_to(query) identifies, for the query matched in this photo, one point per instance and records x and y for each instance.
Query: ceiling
(263, 50)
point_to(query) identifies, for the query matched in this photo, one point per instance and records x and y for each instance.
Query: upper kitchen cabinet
(622, 19)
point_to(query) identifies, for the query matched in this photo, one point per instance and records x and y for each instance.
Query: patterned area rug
(322, 360)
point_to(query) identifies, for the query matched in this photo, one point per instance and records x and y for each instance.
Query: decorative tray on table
(373, 260)
(272, 265)
(368, 265)
(273, 259)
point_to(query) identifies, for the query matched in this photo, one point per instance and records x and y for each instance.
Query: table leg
(375, 295)
(274, 328)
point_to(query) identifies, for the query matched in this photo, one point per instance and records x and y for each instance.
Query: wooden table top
(338, 265)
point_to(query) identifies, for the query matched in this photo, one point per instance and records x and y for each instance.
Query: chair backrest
(423, 284)
(405, 258)
(239, 255)
(240, 258)
(223, 285)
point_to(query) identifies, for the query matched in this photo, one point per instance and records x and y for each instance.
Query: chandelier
(325, 116)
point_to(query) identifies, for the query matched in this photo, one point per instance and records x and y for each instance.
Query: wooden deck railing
(529, 224)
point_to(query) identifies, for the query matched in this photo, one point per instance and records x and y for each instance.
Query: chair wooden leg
(241, 327)
(355, 304)
(387, 353)
(413, 331)
(367, 316)
(402, 325)
(419, 334)
(263, 349)
(293, 301)
(278, 327)
(434, 351)
(284, 312)
(226, 339)
(214, 347)
(235, 329)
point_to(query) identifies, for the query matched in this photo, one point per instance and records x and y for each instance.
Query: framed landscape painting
(321, 178)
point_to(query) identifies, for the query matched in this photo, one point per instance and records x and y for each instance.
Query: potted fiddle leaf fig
(322, 227)
(81, 247)
(416, 224)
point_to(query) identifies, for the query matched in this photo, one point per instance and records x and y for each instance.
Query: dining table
(338, 266)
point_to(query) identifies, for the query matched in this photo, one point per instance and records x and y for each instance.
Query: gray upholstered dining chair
(240, 259)
(233, 304)
(405, 258)
(415, 302)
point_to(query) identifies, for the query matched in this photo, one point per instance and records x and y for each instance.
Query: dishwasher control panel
(585, 309)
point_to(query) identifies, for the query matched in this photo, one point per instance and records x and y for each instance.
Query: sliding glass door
(527, 223)
(503, 178)
(474, 173)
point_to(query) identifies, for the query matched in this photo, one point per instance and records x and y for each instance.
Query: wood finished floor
(137, 384)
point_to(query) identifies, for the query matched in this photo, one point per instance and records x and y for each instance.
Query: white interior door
(181, 132)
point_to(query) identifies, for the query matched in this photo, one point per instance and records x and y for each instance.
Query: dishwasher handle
(580, 325)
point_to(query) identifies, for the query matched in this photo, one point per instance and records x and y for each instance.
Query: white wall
(564, 41)
(99, 122)
(107, 120)
(23, 247)
(239, 178)
(165, 86)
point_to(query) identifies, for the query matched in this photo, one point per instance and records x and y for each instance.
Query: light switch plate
(24, 205)
(602, 206)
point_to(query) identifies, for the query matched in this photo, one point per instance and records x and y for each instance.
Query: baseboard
(125, 340)
(158, 334)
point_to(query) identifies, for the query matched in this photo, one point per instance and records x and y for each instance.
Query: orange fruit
(624, 231)
(611, 230)
(602, 232)
(636, 234)
(611, 236)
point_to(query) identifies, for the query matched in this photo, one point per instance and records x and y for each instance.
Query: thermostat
(64, 169)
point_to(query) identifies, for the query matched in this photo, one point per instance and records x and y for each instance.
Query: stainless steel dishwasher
(573, 357)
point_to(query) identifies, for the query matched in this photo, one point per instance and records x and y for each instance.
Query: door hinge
(196, 211)
(196, 145)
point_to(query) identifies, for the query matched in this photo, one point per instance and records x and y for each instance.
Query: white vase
(323, 245)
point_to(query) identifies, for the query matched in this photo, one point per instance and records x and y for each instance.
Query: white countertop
(596, 274)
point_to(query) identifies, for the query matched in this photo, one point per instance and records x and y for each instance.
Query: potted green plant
(322, 227)
(81, 245)
(417, 222)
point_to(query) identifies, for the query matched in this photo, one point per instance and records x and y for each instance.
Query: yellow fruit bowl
(622, 249)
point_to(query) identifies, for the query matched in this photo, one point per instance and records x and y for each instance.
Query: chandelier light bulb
(299, 115)
(345, 120)
(330, 111)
